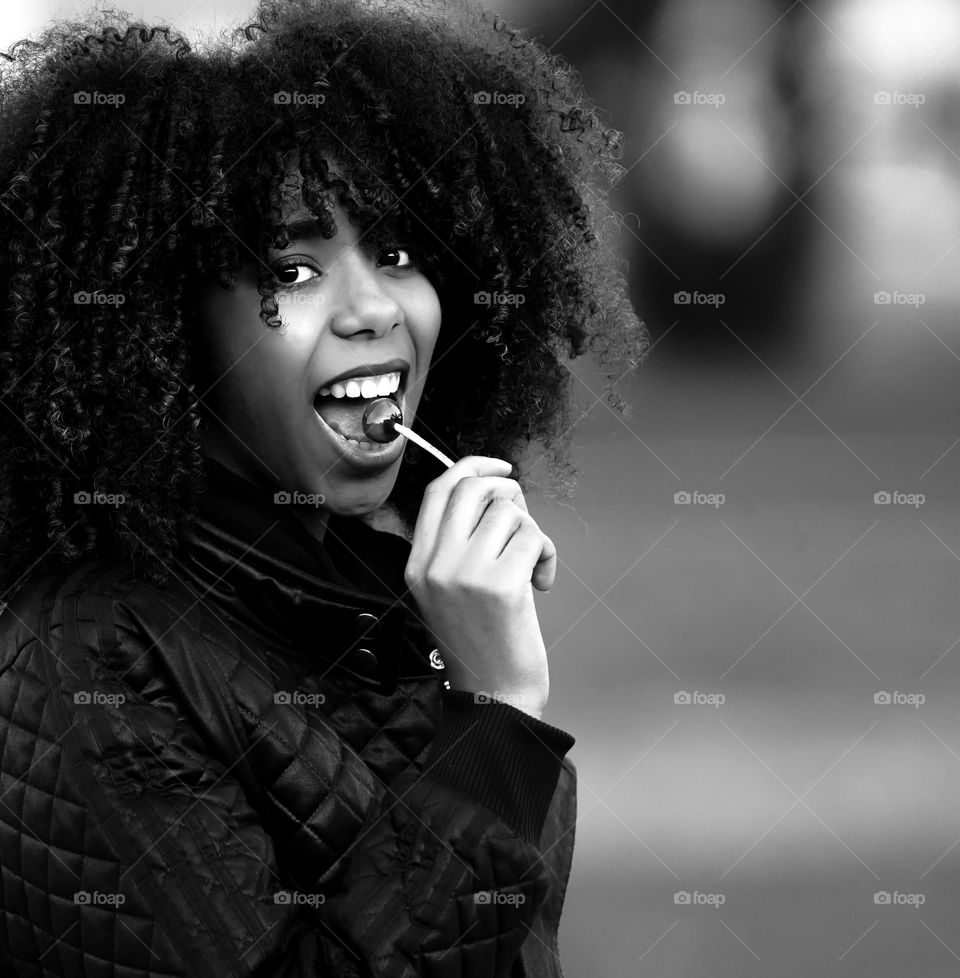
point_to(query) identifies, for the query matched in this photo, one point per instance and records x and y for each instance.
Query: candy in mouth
(345, 414)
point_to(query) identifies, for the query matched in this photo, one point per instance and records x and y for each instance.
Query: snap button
(365, 661)
(366, 621)
(435, 659)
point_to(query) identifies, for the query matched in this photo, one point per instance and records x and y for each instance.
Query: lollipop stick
(413, 436)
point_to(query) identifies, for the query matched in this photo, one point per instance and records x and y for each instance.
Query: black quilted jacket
(257, 770)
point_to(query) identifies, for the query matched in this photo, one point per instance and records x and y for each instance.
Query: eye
(409, 263)
(292, 267)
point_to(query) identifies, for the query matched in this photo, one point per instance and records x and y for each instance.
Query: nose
(361, 304)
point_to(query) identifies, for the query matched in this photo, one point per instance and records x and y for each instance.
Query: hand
(475, 557)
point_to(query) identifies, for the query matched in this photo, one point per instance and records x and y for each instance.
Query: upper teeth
(379, 385)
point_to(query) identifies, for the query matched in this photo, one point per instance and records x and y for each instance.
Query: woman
(271, 695)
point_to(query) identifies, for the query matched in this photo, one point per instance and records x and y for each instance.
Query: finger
(530, 546)
(467, 505)
(500, 523)
(545, 571)
(437, 494)
(470, 499)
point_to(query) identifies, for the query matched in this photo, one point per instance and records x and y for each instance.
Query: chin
(359, 503)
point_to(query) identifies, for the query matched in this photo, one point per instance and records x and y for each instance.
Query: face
(347, 305)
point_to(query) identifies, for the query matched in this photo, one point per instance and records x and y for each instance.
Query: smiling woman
(277, 410)
(243, 730)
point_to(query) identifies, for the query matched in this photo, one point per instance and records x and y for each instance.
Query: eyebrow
(306, 227)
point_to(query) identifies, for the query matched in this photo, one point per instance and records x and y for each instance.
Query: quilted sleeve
(129, 851)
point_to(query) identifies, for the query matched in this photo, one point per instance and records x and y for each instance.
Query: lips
(368, 370)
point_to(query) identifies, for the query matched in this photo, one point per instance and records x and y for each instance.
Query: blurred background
(753, 631)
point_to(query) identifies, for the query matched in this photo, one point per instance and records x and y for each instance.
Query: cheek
(251, 365)
(428, 317)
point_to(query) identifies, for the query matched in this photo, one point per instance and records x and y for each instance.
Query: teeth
(379, 385)
(362, 442)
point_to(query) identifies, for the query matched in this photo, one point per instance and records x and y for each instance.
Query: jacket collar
(342, 602)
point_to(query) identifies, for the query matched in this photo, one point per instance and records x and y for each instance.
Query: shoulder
(98, 606)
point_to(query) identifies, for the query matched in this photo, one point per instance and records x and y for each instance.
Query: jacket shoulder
(97, 608)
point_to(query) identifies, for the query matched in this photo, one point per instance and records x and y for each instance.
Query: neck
(312, 517)
(315, 520)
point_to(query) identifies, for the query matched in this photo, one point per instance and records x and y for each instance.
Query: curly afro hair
(134, 167)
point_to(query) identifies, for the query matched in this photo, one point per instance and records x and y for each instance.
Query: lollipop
(382, 422)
